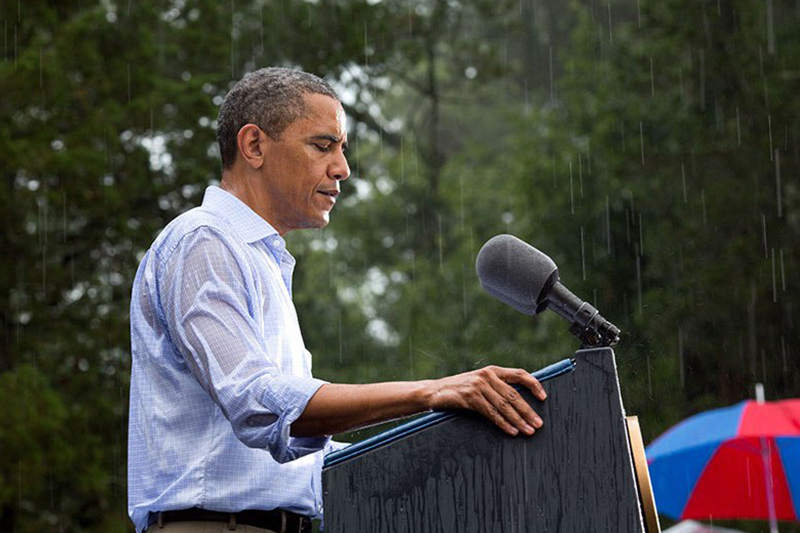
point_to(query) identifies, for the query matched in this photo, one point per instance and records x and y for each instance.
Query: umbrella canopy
(715, 464)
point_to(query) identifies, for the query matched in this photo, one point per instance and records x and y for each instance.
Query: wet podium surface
(457, 472)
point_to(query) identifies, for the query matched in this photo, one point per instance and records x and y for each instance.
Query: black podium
(456, 472)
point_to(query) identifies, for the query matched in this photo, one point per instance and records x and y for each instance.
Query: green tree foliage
(689, 125)
(643, 145)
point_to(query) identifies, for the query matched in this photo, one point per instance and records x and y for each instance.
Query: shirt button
(276, 242)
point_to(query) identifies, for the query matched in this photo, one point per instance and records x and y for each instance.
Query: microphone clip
(593, 330)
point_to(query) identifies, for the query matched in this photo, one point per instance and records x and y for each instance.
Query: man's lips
(333, 193)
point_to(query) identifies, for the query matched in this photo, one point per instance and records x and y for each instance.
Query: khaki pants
(204, 527)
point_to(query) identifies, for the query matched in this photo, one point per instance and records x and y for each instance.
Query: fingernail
(529, 430)
(537, 422)
(514, 431)
(544, 395)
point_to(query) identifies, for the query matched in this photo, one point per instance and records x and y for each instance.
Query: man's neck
(242, 188)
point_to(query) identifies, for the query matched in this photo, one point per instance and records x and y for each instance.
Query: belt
(277, 520)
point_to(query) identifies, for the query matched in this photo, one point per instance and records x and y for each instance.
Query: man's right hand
(488, 392)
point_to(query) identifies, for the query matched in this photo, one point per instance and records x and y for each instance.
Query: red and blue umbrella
(715, 465)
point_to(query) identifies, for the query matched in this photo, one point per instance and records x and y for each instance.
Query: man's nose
(339, 169)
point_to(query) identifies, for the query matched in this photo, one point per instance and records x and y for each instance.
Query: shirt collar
(248, 224)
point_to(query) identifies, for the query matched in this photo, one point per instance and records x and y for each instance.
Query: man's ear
(251, 143)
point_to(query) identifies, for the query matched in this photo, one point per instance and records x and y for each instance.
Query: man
(227, 424)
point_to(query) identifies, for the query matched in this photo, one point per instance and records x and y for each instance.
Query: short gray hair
(270, 98)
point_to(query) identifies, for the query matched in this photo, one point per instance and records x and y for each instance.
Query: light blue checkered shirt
(220, 370)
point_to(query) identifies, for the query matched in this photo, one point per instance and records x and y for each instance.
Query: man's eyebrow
(326, 137)
(331, 138)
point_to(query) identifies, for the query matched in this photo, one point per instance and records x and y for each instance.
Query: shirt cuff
(287, 396)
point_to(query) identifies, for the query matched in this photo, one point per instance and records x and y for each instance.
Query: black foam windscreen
(515, 273)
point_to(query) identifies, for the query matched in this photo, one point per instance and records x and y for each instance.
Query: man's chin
(310, 223)
(324, 220)
(321, 221)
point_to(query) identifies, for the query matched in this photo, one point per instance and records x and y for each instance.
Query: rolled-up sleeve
(210, 299)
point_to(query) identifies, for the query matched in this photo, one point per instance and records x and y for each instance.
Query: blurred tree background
(650, 148)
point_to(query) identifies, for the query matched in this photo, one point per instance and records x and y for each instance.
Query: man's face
(302, 170)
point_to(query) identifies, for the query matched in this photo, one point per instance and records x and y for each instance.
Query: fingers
(488, 391)
(512, 407)
(487, 409)
(521, 377)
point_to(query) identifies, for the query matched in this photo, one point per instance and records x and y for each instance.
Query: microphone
(521, 276)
